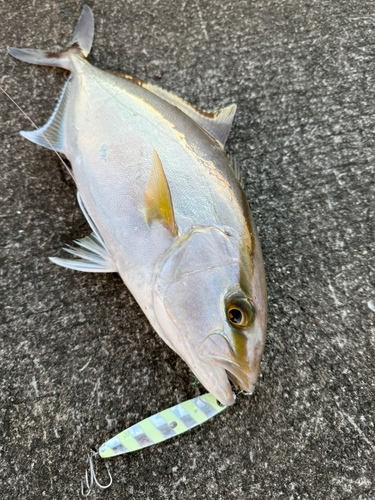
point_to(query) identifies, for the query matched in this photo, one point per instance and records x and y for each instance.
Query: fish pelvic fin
(51, 135)
(80, 44)
(92, 257)
(92, 253)
(158, 201)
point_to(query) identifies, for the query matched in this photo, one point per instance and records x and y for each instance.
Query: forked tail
(80, 44)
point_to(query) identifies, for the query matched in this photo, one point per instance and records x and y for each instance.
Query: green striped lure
(162, 426)
(155, 429)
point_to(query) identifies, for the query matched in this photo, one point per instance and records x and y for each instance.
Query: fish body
(167, 212)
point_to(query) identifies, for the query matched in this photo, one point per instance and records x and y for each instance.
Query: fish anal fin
(51, 135)
(216, 123)
(157, 200)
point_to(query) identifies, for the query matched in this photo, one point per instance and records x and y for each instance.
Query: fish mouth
(248, 388)
(234, 373)
(217, 352)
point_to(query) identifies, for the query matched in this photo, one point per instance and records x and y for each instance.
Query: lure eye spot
(173, 425)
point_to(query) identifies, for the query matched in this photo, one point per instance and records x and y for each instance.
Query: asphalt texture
(79, 362)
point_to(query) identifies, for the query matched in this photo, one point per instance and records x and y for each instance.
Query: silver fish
(167, 211)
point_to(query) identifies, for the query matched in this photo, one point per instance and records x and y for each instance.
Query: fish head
(210, 302)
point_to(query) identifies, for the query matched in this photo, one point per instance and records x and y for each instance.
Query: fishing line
(39, 130)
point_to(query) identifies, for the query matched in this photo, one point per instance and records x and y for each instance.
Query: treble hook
(93, 477)
(244, 393)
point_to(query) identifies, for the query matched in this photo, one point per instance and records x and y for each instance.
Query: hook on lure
(93, 479)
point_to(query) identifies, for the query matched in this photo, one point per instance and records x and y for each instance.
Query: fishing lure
(162, 426)
(155, 429)
(166, 209)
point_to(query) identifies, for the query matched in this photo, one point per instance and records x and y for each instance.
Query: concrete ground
(79, 361)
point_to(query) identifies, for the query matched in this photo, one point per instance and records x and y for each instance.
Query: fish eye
(240, 312)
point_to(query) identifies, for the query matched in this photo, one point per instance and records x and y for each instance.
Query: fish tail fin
(80, 43)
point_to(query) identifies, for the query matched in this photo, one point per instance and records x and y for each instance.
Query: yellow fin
(158, 201)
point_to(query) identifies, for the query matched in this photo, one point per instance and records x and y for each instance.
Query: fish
(167, 211)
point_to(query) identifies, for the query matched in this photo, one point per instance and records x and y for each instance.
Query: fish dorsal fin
(158, 201)
(216, 123)
(93, 254)
(236, 169)
(53, 130)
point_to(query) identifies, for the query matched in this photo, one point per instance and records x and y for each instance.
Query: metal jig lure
(152, 430)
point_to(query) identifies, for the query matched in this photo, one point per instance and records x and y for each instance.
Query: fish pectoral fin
(79, 44)
(51, 135)
(158, 201)
(93, 254)
(217, 123)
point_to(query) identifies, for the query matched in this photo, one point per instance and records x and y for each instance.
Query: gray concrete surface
(79, 362)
